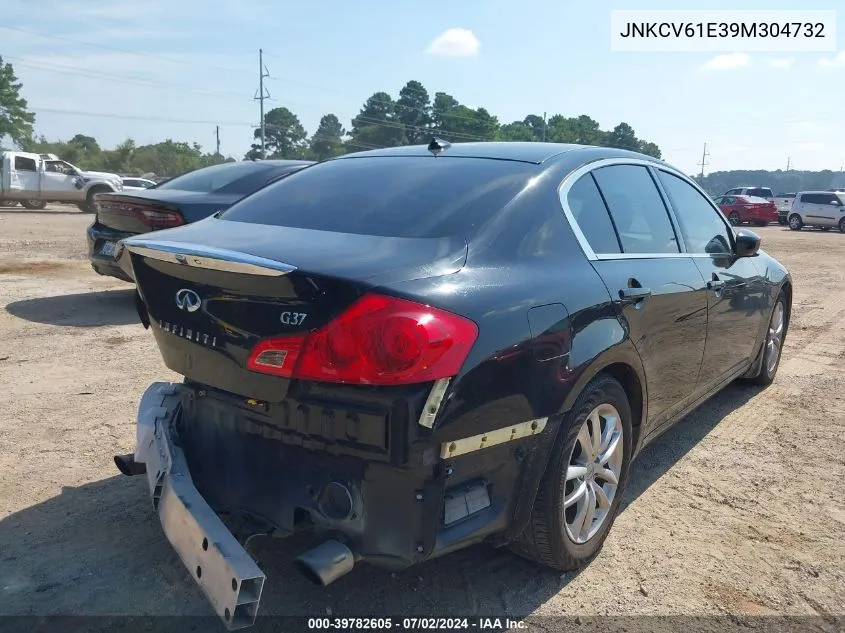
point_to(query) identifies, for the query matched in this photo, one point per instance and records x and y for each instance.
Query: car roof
(277, 162)
(526, 152)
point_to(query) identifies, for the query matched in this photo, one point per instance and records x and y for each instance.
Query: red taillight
(161, 219)
(379, 340)
(150, 216)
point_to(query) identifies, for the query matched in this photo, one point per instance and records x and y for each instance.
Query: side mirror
(77, 182)
(747, 243)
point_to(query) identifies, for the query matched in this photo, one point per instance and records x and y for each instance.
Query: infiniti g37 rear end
(409, 351)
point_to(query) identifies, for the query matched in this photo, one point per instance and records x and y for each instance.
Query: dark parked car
(174, 202)
(415, 349)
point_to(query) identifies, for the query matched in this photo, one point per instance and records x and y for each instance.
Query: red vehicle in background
(739, 209)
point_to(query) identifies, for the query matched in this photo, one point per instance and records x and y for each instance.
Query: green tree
(328, 139)
(516, 131)
(462, 124)
(623, 137)
(284, 136)
(649, 149)
(536, 124)
(413, 110)
(440, 108)
(15, 120)
(377, 124)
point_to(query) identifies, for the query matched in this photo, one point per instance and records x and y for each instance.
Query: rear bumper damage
(394, 497)
(227, 575)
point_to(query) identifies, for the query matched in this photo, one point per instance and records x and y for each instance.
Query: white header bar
(723, 31)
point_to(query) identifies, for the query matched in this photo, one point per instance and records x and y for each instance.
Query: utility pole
(217, 133)
(788, 163)
(262, 94)
(704, 162)
(544, 127)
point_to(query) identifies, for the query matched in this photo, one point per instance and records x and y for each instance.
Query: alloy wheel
(795, 222)
(593, 473)
(735, 219)
(774, 338)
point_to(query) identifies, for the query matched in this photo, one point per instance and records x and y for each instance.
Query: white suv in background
(824, 209)
(757, 192)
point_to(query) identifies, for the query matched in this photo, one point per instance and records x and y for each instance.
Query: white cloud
(782, 64)
(833, 62)
(728, 62)
(456, 42)
(810, 145)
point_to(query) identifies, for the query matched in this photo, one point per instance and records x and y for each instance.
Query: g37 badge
(292, 318)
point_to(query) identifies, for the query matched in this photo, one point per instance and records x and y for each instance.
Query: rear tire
(34, 204)
(795, 222)
(842, 225)
(553, 536)
(89, 206)
(734, 218)
(772, 348)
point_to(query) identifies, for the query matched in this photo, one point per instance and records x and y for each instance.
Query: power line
(96, 74)
(118, 49)
(154, 119)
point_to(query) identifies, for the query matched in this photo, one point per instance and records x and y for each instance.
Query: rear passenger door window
(702, 226)
(590, 213)
(637, 210)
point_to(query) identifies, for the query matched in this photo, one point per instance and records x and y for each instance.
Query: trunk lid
(213, 289)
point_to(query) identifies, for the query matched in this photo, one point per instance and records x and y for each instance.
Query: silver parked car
(824, 209)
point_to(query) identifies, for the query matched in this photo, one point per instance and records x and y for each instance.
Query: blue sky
(196, 65)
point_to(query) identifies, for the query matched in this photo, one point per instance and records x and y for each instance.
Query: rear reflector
(379, 340)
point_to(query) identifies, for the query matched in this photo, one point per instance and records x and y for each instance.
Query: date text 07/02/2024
(413, 624)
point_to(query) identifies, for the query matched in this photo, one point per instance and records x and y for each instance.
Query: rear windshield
(214, 178)
(388, 196)
(760, 192)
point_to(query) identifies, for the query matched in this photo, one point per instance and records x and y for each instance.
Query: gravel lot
(738, 510)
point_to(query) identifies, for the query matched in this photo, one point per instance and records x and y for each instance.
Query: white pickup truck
(36, 179)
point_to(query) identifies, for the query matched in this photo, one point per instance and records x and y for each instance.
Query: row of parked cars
(760, 206)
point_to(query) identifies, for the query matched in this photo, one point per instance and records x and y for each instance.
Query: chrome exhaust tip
(325, 563)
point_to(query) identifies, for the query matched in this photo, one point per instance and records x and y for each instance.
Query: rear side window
(396, 196)
(25, 164)
(733, 192)
(760, 192)
(701, 224)
(591, 215)
(819, 198)
(637, 209)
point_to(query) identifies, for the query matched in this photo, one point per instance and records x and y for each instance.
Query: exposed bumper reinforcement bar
(227, 575)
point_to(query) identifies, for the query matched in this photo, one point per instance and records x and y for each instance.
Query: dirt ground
(738, 510)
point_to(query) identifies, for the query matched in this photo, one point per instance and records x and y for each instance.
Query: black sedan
(177, 201)
(415, 349)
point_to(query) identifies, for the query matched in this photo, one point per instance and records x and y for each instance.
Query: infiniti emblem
(188, 300)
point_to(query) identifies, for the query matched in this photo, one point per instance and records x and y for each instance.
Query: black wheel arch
(621, 362)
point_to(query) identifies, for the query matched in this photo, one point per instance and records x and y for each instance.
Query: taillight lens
(379, 340)
(162, 219)
(151, 217)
